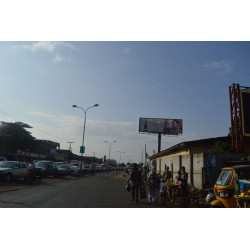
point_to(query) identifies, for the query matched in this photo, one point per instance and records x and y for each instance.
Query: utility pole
(70, 149)
(70, 142)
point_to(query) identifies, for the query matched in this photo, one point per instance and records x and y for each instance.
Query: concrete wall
(183, 160)
(198, 164)
(205, 167)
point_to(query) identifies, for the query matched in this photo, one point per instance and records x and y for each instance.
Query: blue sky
(40, 81)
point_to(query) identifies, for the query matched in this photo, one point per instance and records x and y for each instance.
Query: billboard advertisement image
(160, 126)
(245, 104)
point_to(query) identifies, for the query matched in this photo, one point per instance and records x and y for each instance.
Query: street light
(85, 112)
(110, 147)
(120, 156)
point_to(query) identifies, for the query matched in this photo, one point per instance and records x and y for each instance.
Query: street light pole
(120, 156)
(85, 113)
(110, 147)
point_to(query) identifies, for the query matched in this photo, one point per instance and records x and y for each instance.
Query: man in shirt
(184, 180)
(136, 179)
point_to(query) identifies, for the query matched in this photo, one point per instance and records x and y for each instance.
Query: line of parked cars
(10, 170)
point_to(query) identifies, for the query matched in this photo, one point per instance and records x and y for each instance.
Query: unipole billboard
(245, 105)
(161, 126)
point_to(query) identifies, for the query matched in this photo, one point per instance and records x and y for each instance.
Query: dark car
(46, 168)
(64, 169)
(3, 158)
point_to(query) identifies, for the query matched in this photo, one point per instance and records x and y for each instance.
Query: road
(103, 190)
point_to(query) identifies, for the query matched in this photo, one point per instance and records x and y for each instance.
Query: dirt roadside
(20, 184)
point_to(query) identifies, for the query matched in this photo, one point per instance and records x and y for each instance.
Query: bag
(143, 193)
(128, 187)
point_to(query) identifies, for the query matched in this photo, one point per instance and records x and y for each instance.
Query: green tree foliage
(220, 147)
(14, 136)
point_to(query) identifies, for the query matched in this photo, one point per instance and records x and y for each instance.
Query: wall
(185, 161)
(205, 167)
(198, 164)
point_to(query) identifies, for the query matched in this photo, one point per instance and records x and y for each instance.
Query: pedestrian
(152, 183)
(145, 172)
(31, 172)
(178, 181)
(178, 178)
(184, 180)
(163, 191)
(167, 175)
(136, 179)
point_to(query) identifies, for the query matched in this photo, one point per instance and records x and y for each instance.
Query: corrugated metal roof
(182, 145)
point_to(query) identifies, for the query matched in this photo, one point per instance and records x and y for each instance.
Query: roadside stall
(243, 195)
(172, 190)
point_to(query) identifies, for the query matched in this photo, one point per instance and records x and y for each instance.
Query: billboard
(245, 107)
(160, 126)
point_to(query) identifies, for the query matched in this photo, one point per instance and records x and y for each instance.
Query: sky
(40, 81)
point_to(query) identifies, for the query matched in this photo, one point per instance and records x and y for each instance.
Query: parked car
(64, 169)
(46, 168)
(10, 170)
(3, 158)
(86, 169)
(99, 168)
(104, 167)
(59, 163)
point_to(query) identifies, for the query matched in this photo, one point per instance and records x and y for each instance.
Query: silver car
(13, 170)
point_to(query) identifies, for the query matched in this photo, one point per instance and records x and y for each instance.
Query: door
(24, 170)
(16, 170)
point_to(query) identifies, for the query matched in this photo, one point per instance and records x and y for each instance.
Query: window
(224, 178)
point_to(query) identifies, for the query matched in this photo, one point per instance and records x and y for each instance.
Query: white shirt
(32, 166)
(162, 187)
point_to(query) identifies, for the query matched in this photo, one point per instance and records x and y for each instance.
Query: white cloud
(46, 46)
(221, 67)
(70, 128)
(57, 58)
(49, 47)
(126, 50)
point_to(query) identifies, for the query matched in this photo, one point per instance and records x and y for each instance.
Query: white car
(13, 170)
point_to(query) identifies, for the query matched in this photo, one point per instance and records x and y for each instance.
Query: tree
(14, 136)
(220, 146)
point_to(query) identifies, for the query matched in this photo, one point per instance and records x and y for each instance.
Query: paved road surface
(103, 190)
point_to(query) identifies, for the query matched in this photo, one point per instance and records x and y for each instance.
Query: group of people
(138, 180)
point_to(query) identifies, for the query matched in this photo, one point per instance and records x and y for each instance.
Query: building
(202, 167)
(47, 148)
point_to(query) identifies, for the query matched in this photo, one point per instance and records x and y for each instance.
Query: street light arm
(75, 106)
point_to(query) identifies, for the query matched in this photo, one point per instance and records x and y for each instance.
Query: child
(163, 192)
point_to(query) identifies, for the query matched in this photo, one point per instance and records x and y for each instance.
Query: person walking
(31, 172)
(184, 180)
(136, 179)
(152, 183)
(163, 191)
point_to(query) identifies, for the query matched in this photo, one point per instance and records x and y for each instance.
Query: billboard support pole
(159, 142)
(236, 117)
